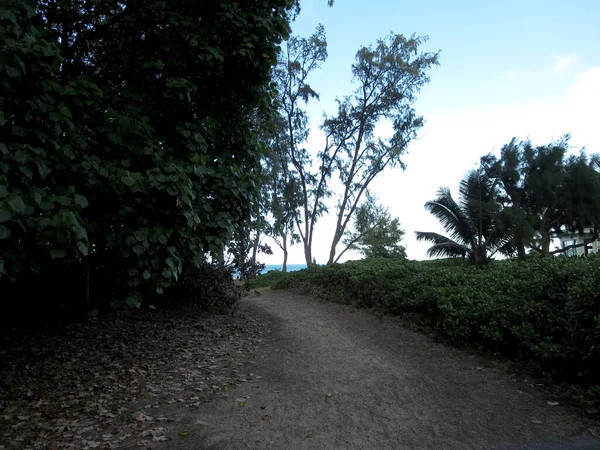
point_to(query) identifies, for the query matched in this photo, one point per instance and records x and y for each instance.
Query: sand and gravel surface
(329, 376)
(284, 371)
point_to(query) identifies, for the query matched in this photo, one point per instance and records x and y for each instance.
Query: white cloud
(510, 74)
(562, 63)
(452, 143)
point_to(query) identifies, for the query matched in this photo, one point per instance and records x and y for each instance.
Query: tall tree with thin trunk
(280, 190)
(297, 60)
(388, 77)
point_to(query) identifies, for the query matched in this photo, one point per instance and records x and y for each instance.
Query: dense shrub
(267, 279)
(207, 286)
(128, 141)
(544, 312)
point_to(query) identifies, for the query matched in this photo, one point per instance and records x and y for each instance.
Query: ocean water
(290, 267)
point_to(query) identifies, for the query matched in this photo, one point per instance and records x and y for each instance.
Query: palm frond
(445, 209)
(473, 224)
(443, 246)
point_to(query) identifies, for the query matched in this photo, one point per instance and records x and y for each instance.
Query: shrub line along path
(331, 376)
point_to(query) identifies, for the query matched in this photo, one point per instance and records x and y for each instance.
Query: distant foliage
(127, 140)
(544, 191)
(375, 232)
(267, 279)
(543, 312)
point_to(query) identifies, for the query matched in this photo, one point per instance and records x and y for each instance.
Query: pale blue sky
(507, 68)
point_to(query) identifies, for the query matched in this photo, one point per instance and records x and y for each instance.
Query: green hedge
(544, 312)
(267, 279)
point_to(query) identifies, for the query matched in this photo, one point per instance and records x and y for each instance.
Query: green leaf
(57, 253)
(83, 248)
(5, 215)
(81, 201)
(4, 232)
(141, 235)
(138, 249)
(12, 72)
(127, 180)
(2, 119)
(26, 170)
(3, 191)
(16, 202)
(134, 300)
(147, 275)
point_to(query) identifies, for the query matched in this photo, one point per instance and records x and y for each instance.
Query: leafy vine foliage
(127, 145)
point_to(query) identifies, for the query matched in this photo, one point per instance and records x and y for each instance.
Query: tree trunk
(285, 256)
(308, 254)
(545, 245)
(519, 243)
(336, 239)
(219, 256)
(252, 272)
(521, 255)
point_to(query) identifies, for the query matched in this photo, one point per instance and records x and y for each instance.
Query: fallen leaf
(141, 417)
(553, 403)
(183, 433)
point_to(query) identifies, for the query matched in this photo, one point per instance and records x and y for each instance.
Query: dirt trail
(332, 377)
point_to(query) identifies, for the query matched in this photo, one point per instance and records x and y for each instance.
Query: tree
(545, 191)
(475, 231)
(375, 232)
(389, 76)
(128, 146)
(298, 59)
(280, 191)
(508, 173)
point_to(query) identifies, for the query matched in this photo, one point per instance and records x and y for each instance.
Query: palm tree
(473, 225)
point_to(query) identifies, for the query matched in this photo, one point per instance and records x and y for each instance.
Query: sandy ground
(333, 377)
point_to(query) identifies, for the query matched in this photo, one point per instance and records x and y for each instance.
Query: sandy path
(389, 388)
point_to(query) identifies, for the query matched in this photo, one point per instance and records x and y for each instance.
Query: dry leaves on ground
(118, 381)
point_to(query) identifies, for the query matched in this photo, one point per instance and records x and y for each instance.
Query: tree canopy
(545, 191)
(127, 141)
(388, 75)
(375, 232)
